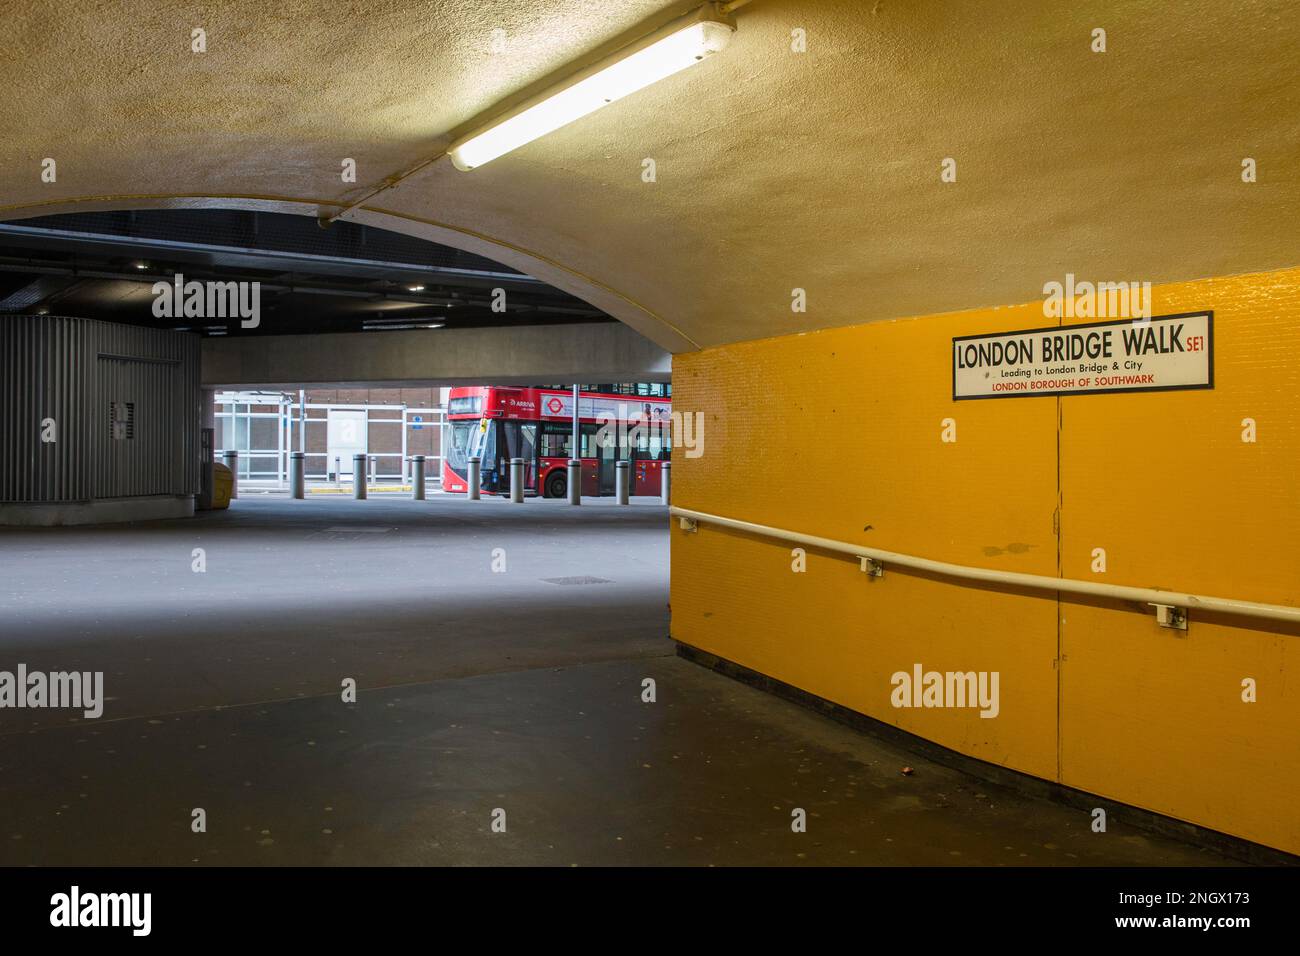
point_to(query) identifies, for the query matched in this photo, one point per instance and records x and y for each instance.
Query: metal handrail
(1170, 605)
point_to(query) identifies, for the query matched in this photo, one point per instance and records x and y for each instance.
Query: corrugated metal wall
(74, 371)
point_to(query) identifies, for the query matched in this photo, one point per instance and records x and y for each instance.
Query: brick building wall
(383, 436)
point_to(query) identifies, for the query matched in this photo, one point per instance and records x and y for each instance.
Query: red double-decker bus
(498, 423)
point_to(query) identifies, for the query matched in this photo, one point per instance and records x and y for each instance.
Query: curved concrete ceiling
(775, 169)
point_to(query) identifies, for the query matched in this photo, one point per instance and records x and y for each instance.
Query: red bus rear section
(498, 423)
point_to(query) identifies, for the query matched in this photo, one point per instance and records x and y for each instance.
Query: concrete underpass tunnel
(296, 321)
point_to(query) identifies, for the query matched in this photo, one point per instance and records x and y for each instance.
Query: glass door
(519, 440)
(607, 454)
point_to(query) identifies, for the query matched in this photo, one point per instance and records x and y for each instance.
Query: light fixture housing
(401, 323)
(669, 50)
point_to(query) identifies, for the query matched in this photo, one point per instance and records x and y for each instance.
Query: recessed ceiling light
(415, 288)
(142, 265)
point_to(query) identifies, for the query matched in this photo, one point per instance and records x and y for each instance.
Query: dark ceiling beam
(140, 247)
(29, 297)
(440, 298)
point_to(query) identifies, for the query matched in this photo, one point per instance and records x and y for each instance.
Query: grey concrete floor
(478, 691)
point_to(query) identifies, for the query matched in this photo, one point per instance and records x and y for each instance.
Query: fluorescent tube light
(661, 55)
(378, 325)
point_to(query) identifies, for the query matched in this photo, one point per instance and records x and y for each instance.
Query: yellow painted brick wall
(1165, 484)
(832, 433)
(837, 434)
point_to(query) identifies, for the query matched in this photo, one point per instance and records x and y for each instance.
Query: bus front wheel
(557, 485)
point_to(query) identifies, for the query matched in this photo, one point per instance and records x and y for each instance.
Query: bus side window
(589, 440)
(654, 445)
(556, 439)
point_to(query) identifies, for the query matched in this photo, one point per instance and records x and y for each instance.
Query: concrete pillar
(666, 482)
(473, 478)
(575, 481)
(209, 413)
(622, 480)
(297, 475)
(232, 462)
(517, 480)
(359, 477)
(417, 477)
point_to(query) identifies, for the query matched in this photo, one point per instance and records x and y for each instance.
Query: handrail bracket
(1167, 615)
(873, 568)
